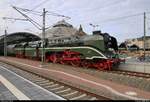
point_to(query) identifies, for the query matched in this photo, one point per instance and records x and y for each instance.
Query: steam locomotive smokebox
(96, 32)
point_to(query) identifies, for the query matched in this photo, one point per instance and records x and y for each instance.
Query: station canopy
(19, 37)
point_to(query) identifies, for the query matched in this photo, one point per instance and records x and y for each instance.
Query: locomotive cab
(109, 41)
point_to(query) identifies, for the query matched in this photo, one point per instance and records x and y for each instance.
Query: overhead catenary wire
(123, 17)
(14, 18)
(29, 11)
(37, 25)
(58, 15)
(37, 6)
(120, 18)
(148, 23)
(49, 12)
(29, 19)
(39, 13)
(102, 7)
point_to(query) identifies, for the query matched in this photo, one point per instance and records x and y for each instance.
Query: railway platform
(136, 66)
(76, 78)
(15, 87)
(5, 94)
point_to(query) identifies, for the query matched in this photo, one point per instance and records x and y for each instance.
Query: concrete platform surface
(5, 94)
(71, 76)
(136, 67)
(14, 87)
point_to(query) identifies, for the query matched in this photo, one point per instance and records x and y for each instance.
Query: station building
(63, 29)
(139, 42)
(15, 38)
(60, 29)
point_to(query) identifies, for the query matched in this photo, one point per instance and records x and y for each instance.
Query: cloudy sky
(97, 12)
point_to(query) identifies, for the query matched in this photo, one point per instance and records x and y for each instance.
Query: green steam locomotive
(91, 51)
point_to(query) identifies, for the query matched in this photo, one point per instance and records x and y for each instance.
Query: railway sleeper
(46, 84)
(62, 91)
(79, 97)
(85, 97)
(53, 85)
(57, 88)
(76, 96)
(42, 82)
(70, 94)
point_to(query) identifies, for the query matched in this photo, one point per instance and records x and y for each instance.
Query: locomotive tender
(90, 51)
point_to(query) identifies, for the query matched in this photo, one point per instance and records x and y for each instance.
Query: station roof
(19, 37)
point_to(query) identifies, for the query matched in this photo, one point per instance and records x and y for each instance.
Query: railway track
(130, 73)
(122, 72)
(60, 89)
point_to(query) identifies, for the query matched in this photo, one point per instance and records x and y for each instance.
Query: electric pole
(43, 37)
(37, 25)
(144, 35)
(5, 35)
(5, 43)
